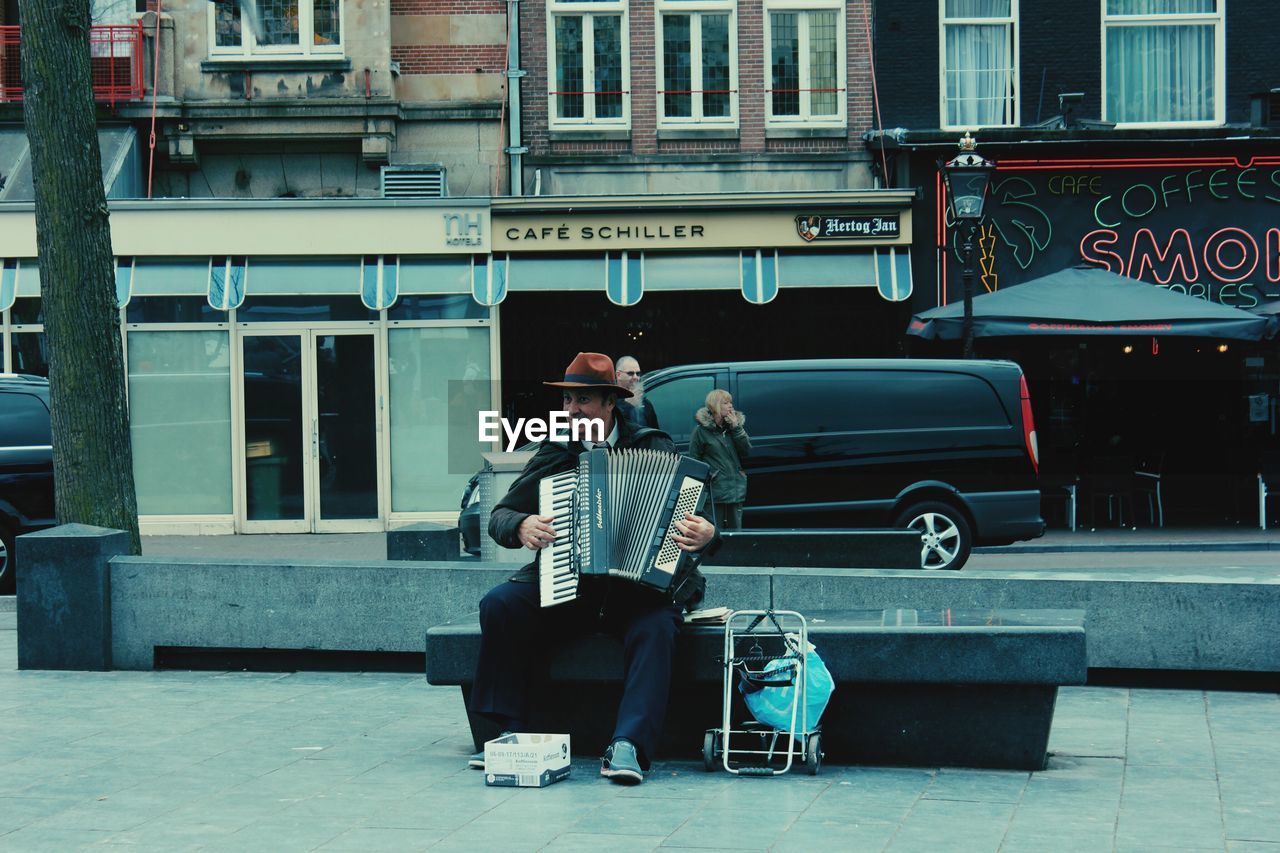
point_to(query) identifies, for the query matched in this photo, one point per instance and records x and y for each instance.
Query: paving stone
(729, 828)
(282, 762)
(579, 842)
(977, 785)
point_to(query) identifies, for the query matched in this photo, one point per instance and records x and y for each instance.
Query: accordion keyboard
(557, 581)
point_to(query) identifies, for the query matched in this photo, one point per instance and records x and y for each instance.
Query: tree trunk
(92, 459)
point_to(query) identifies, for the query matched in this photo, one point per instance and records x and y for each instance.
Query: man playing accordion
(514, 625)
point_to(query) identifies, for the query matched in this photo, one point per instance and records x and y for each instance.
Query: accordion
(614, 515)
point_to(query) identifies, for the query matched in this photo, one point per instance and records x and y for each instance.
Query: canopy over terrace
(1084, 300)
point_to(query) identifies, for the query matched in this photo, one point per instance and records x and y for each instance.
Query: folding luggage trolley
(765, 649)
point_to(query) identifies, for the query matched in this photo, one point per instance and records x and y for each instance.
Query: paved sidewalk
(171, 761)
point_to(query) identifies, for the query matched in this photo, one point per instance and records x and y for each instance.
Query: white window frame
(695, 9)
(1219, 21)
(306, 48)
(588, 10)
(805, 119)
(1015, 88)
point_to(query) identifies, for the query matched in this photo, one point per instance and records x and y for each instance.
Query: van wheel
(7, 577)
(945, 537)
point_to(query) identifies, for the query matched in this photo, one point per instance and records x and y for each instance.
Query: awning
(1086, 300)
(758, 274)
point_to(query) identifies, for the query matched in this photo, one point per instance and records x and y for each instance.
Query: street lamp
(967, 176)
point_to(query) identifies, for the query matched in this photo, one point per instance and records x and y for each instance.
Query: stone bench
(920, 688)
(819, 548)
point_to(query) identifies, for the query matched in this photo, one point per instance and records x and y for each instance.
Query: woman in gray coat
(720, 440)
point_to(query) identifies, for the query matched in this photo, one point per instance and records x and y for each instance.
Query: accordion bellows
(614, 515)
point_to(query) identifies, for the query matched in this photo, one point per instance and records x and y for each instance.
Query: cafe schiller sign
(1208, 227)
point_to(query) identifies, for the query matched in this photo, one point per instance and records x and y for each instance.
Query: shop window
(172, 309)
(697, 51)
(433, 372)
(29, 353)
(26, 311)
(1163, 62)
(806, 64)
(290, 29)
(318, 308)
(180, 421)
(450, 306)
(588, 62)
(980, 63)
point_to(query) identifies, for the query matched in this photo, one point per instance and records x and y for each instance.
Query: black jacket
(521, 501)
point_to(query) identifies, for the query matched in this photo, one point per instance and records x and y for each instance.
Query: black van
(947, 447)
(26, 465)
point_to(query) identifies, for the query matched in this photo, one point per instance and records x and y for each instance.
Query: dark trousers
(516, 634)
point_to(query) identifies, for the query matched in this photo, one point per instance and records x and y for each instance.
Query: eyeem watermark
(557, 426)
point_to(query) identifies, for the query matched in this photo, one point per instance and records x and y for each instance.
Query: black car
(26, 465)
(947, 447)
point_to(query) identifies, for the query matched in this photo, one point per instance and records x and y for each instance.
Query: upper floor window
(587, 60)
(1163, 61)
(290, 28)
(980, 63)
(697, 63)
(806, 44)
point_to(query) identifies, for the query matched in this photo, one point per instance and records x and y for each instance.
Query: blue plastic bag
(772, 705)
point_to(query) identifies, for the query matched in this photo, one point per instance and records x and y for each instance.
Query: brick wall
(449, 50)
(448, 7)
(451, 58)
(752, 82)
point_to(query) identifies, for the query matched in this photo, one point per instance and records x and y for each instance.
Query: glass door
(311, 448)
(345, 431)
(276, 374)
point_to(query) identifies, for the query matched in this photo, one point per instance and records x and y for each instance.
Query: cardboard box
(526, 760)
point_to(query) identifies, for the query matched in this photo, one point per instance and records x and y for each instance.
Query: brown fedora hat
(591, 370)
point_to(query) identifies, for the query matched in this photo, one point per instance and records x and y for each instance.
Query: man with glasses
(637, 409)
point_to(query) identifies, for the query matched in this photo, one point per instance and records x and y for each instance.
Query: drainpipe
(515, 149)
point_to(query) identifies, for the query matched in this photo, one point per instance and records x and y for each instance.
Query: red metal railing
(115, 60)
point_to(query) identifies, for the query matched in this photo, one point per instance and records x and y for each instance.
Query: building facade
(358, 230)
(1136, 135)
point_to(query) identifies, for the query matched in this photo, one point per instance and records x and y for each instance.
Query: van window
(677, 400)
(24, 421)
(807, 402)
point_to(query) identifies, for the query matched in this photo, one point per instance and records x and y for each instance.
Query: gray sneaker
(476, 762)
(621, 764)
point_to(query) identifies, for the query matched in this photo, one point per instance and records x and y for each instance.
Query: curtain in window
(1162, 72)
(979, 69)
(1161, 7)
